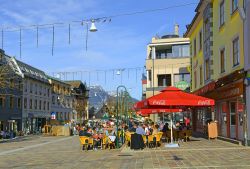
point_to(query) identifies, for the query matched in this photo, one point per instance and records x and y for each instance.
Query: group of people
(98, 130)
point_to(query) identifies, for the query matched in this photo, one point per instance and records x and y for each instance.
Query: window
(25, 86)
(201, 76)
(222, 61)
(149, 75)
(11, 102)
(19, 85)
(31, 87)
(234, 5)
(48, 92)
(44, 105)
(195, 79)
(53, 99)
(35, 88)
(182, 77)
(40, 105)
(40, 91)
(222, 13)
(236, 52)
(19, 103)
(31, 104)
(25, 103)
(194, 47)
(2, 102)
(164, 80)
(207, 70)
(45, 90)
(35, 104)
(200, 40)
(47, 105)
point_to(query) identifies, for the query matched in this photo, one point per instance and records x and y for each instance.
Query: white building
(36, 98)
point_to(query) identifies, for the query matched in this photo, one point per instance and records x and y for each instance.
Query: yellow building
(167, 64)
(217, 54)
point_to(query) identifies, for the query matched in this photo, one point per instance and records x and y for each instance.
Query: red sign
(240, 107)
(224, 107)
(205, 89)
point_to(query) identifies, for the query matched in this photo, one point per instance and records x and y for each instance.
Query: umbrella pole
(171, 124)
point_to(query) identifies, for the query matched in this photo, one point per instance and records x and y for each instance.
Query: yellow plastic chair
(84, 141)
(111, 144)
(168, 136)
(188, 135)
(144, 140)
(104, 142)
(158, 139)
(182, 135)
(150, 140)
(127, 138)
(175, 135)
(160, 134)
(91, 142)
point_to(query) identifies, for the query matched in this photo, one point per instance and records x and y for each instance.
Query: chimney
(176, 29)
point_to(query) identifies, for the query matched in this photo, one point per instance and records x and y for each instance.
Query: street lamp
(117, 109)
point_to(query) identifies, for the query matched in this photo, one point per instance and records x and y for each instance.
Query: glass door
(233, 120)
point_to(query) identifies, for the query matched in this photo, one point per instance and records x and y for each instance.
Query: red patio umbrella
(172, 97)
(156, 111)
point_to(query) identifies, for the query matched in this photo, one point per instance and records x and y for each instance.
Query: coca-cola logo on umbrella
(204, 102)
(159, 102)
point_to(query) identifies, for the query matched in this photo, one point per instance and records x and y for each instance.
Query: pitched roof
(189, 26)
(74, 83)
(58, 80)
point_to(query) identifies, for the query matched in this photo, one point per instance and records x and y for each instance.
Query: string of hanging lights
(87, 22)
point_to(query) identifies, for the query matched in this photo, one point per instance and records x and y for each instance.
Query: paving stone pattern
(65, 152)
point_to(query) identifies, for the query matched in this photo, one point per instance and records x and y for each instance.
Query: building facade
(10, 95)
(247, 62)
(36, 98)
(217, 64)
(167, 64)
(80, 102)
(62, 101)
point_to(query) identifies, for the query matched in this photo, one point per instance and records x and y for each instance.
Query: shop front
(230, 110)
(228, 93)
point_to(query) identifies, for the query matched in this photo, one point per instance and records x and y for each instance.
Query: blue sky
(120, 43)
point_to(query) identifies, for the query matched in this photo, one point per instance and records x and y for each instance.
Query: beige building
(167, 64)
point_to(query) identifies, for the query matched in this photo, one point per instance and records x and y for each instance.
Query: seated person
(165, 128)
(140, 130)
(133, 129)
(85, 132)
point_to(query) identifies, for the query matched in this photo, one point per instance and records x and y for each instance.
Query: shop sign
(209, 87)
(53, 116)
(232, 91)
(183, 85)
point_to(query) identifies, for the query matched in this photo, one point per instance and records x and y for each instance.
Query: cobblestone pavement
(65, 152)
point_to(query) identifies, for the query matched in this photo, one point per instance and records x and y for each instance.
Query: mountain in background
(98, 97)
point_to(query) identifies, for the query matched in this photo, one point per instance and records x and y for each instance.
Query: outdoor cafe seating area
(149, 135)
(106, 138)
